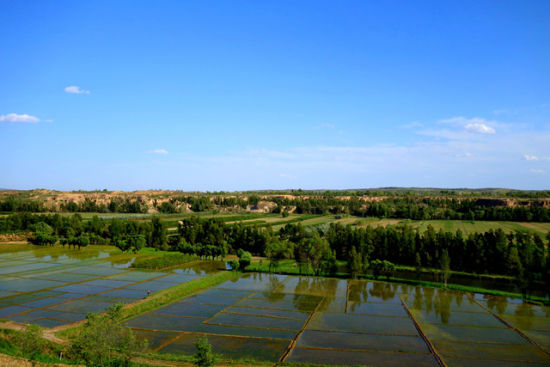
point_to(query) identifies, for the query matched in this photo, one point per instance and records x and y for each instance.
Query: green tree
(42, 227)
(158, 234)
(245, 258)
(103, 341)
(277, 251)
(82, 241)
(136, 243)
(204, 356)
(354, 263)
(382, 267)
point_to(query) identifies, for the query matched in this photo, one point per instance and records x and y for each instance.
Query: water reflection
(201, 267)
(270, 292)
(306, 287)
(56, 254)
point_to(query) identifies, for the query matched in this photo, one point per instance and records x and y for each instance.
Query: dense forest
(522, 255)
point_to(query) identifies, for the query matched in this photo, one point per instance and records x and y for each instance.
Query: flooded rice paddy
(53, 287)
(330, 321)
(281, 318)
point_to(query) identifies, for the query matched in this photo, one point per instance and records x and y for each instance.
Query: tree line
(519, 254)
(401, 207)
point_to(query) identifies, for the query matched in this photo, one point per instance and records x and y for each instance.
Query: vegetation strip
(421, 332)
(523, 335)
(295, 339)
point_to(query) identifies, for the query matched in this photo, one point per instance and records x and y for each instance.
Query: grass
(164, 261)
(10, 247)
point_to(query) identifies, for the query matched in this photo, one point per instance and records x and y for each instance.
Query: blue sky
(237, 95)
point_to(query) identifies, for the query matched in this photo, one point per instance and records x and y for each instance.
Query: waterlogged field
(331, 321)
(52, 286)
(267, 317)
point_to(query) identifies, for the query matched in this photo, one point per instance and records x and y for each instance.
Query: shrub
(245, 258)
(30, 341)
(103, 341)
(204, 356)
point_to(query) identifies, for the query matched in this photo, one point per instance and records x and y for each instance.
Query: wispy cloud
(73, 89)
(460, 128)
(530, 157)
(157, 151)
(474, 125)
(537, 171)
(479, 128)
(14, 117)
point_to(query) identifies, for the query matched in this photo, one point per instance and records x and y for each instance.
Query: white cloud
(462, 124)
(479, 128)
(531, 157)
(73, 89)
(537, 171)
(158, 151)
(14, 117)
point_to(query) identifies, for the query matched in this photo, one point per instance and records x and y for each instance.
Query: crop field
(330, 321)
(52, 287)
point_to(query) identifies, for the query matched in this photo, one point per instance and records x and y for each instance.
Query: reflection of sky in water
(124, 265)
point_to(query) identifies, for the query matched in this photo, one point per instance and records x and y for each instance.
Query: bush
(104, 342)
(234, 264)
(204, 356)
(382, 267)
(30, 341)
(245, 258)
